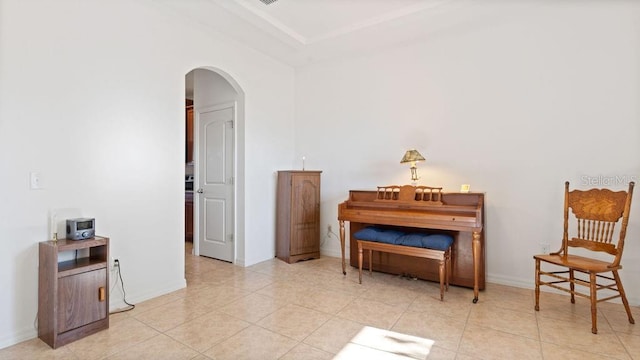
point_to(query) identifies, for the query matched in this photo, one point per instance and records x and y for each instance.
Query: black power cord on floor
(116, 263)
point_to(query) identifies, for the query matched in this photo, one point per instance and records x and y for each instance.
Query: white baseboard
(18, 337)
(240, 262)
(116, 303)
(334, 253)
(510, 281)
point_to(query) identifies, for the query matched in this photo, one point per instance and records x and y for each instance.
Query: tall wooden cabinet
(73, 295)
(298, 215)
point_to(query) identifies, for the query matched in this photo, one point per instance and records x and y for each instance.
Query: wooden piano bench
(434, 247)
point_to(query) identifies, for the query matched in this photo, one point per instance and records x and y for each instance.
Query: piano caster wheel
(344, 273)
(475, 300)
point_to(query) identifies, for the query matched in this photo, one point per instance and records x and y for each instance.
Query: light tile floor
(309, 310)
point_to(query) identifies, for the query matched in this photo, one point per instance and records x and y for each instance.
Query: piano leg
(475, 244)
(344, 264)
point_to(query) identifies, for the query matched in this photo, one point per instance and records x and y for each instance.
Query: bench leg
(443, 257)
(448, 268)
(441, 271)
(360, 263)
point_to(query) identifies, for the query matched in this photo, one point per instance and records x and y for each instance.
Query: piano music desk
(460, 215)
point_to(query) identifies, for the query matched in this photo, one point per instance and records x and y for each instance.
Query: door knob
(200, 191)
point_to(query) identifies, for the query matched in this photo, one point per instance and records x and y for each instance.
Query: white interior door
(215, 228)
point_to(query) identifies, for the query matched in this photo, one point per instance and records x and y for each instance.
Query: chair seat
(578, 263)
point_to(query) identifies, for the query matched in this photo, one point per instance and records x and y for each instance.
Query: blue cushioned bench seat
(429, 246)
(396, 237)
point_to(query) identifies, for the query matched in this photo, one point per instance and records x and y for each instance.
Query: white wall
(92, 97)
(514, 103)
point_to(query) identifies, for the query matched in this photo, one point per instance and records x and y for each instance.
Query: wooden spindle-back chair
(597, 229)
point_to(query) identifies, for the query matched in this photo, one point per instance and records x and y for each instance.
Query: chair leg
(594, 301)
(370, 262)
(623, 295)
(537, 306)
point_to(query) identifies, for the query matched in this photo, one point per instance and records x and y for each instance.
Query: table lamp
(412, 156)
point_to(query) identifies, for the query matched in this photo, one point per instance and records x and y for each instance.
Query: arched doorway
(218, 163)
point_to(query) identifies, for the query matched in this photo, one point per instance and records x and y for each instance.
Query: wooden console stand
(73, 295)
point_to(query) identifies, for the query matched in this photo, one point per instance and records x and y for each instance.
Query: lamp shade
(412, 156)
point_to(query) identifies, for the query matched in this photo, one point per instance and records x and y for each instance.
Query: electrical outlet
(114, 263)
(544, 248)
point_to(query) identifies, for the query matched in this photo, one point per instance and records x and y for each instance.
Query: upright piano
(420, 209)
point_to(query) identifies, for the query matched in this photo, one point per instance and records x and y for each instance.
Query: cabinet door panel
(79, 299)
(305, 215)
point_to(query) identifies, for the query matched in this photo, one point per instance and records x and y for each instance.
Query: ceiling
(300, 32)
